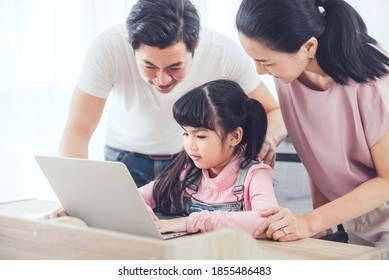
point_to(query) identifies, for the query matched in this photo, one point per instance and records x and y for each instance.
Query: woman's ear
(310, 47)
(235, 137)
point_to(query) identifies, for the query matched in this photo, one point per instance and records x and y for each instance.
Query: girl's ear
(235, 137)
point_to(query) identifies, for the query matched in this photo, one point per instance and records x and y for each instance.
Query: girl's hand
(56, 214)
(282, 225)
(173, 225)
(155, 218)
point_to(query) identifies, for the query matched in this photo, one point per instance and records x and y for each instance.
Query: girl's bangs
(195, 112)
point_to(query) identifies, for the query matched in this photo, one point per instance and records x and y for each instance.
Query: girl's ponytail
(254, 130)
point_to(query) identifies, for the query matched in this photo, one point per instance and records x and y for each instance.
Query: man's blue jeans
(143, 168)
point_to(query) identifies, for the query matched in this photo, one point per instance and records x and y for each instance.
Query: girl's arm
(147, 194)
(259, 195)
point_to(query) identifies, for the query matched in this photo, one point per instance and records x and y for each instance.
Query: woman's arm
(318, 198)
(364, 198)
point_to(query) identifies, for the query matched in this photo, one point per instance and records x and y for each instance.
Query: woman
(333, 85)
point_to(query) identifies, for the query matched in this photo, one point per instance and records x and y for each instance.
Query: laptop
(102, 194)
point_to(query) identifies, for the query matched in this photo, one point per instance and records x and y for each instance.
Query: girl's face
(284, 66)
(207, 150)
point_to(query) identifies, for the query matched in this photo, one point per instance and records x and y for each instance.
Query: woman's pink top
(258, 195)
(334, 130)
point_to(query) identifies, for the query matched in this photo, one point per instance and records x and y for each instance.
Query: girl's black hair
(345, 50)
(221, 106)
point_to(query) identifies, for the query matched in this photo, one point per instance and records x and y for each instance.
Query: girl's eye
(149, 67)
(185, 134)
(201, 136)
(175, 69)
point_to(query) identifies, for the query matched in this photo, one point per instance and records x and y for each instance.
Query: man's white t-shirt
(140, 119)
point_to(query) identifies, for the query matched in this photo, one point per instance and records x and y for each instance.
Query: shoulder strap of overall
(239, 186)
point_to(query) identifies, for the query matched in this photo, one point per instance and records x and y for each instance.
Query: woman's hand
(282, 225)
(267, 154)
(323, 233)
(56, 214)
(173, 225)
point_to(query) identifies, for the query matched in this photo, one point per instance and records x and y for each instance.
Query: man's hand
(267, 154)
(56, 214)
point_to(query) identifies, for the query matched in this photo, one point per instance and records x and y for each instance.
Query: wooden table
(23, 237)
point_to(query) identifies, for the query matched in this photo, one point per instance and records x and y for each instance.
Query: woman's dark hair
(163, 23)
(345, 50)
(221, 106)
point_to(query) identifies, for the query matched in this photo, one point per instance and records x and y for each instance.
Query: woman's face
(284, 66)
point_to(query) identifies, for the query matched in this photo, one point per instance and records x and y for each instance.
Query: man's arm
(84, 115)
(276, 131)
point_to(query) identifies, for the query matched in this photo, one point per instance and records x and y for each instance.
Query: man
(145, 68)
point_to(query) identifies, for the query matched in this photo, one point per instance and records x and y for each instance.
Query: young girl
(215, 182)
(332, 82)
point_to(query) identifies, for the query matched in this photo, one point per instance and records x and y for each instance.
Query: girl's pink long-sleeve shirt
(258, 195)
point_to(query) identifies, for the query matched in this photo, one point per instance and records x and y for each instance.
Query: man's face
(163, 68)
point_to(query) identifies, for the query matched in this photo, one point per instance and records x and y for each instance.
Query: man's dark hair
(163, 23)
